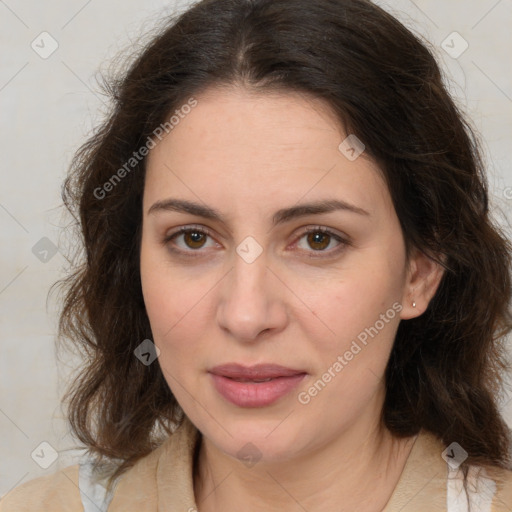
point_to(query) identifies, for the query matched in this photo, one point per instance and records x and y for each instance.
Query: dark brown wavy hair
(446, 366)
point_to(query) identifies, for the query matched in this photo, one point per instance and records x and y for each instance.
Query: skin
(300, 304)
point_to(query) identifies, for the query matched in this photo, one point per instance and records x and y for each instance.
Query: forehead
(261, 146)
(240, 120)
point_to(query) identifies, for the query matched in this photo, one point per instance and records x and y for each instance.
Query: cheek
(175, 316)
(181, 314)
(176, 310)
(351, 363)
(173, 302)
(344, 307)
(353, 326)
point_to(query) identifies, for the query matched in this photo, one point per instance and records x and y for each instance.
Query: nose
(251, 301)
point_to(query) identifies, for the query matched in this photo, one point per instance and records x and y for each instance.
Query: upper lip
(258, 371)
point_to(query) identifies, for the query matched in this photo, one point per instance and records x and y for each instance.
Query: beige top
(162, 481)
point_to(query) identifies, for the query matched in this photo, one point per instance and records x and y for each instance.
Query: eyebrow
(280, 217)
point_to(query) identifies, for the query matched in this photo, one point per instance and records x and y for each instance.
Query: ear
(422, 280)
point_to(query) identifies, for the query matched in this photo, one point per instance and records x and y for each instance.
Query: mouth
(259, 372)
(255, 386)
(251, 380)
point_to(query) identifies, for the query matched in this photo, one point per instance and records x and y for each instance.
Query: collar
(163, 480)
(422, 484)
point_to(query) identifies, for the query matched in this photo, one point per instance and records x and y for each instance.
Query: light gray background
(48, 108)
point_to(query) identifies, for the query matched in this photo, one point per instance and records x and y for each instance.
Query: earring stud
(414, 304)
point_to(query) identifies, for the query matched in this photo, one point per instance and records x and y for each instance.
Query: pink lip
(251, 393)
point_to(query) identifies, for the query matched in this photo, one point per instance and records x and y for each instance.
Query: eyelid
(342, 239)
(185, 229)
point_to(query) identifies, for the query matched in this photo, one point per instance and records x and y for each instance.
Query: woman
(294, 297)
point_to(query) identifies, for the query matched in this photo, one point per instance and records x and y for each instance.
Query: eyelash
(199, 229)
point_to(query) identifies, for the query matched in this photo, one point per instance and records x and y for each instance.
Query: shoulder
(137, 488)
(57, 492)
(501, 482)
(69, 489)
(487, 488)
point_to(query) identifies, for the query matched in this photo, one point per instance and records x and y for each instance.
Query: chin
(268, 439)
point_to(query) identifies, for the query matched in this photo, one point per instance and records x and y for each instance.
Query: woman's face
(250, 286)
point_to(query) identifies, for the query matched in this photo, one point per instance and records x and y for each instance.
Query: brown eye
(321, 241)
(189, 240)
(318, 240)
(194, 239)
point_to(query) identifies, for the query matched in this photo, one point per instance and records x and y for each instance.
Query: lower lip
(255, 394)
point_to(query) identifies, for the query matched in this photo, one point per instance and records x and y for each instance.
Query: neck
(358, 470)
